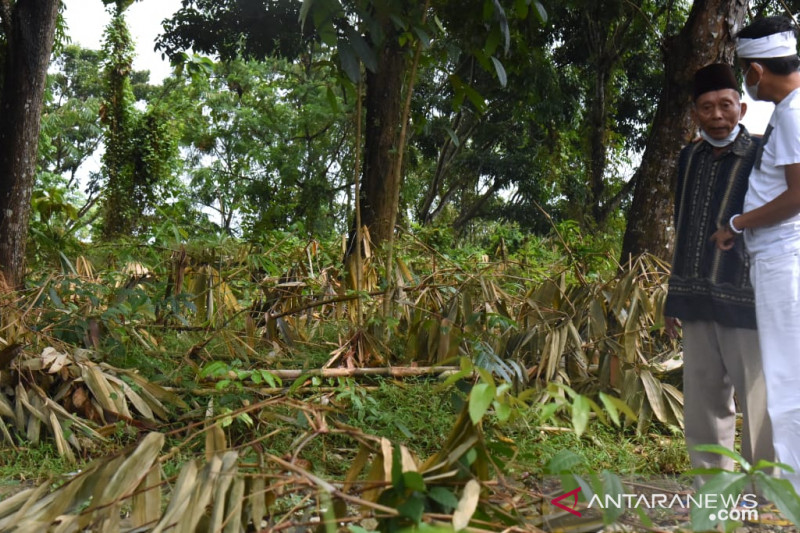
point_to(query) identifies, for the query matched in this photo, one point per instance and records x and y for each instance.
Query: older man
(709, 291)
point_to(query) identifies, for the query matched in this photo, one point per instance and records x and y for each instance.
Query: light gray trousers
(717, 361)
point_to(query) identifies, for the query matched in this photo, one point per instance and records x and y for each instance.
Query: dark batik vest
(708, 283)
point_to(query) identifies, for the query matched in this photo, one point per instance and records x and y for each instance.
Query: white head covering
(775, 45)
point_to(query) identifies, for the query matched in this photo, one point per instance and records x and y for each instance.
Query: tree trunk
(29, 27)
(380, 193)
(705, 38)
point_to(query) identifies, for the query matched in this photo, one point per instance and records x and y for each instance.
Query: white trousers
(777, 287)
(717, 361)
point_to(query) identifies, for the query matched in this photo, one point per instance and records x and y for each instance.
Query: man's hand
(724, 238)
(671, 325)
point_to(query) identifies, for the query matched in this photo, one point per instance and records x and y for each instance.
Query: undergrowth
(271, 360)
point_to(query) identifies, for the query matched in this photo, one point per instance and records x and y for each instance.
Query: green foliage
(728, 485)
(263, 146)
(140, 147)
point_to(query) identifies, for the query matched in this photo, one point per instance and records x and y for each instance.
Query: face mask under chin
(720, 143)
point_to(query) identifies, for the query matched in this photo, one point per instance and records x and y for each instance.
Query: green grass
(32, 464)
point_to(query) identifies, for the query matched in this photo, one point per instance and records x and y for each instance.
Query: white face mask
(752, 90)
(720, 143)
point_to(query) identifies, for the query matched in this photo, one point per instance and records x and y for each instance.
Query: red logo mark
(571, 509)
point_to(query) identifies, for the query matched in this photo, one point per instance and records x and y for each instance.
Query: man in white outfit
(770, 221)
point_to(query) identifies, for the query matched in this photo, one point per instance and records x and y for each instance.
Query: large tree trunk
(29, 27)
(705, 38)
(380, 192)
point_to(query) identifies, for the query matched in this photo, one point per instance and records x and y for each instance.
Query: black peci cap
(714, 77)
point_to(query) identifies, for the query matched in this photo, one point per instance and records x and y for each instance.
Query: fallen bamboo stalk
(395, 371)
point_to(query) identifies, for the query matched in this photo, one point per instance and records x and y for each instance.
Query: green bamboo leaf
(423, 36)
(540, 10)
(610, 408)
(332, 101)
(304, 9)
(480, 399)
(723, 487)
(444, 496)
(362, 49)
(782, 494)
(618, 406)
(563, 461)
(722, 450)
(414, 481)
(412, 508)
(580, 414)
(501, 71)
(55, 298)
(612, 486)
(348, 61)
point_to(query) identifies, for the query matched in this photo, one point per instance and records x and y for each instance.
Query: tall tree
(140, 146)
(380, 34)
(26, 41)
(705, 38)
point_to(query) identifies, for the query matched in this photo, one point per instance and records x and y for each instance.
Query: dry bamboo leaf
(5, 407)
(32, 497)
(597, 319)
(215, 441)
(258, 504)
(34, 428)
(157, 392)
(20, 419)
(402, 267)
(445, 328)
(386, 450)
(118, 397)
(92, 490)
(233, 518)
(181, 493)
(676, 409)
(16, 501)
(136, 400)
(204, 488)
(408, 461)
(632, 327)
(222, 484)
(61, 361)
(69, 524)
(146, 503)
(55, 504)
(97, 383)
(461, 449)
(77, 423)
(670, 390)
(467, 505)
(356, 466)
(7, 434)
(655, 397)
(558, 339)
(135, 468)
(84, 268)
(63, 447)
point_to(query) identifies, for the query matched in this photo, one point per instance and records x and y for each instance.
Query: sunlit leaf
(480, 399)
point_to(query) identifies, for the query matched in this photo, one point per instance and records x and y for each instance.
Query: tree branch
(616, 200)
